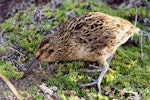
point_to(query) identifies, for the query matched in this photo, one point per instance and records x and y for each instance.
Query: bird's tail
(137, 30)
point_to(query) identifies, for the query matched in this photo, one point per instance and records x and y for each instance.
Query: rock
(69, 14)
(7, 6)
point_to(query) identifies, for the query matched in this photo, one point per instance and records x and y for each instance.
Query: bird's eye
(42, 51)
(50, 51)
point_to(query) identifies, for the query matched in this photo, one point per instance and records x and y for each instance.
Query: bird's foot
(99, 80)
(91, 84)
(88, 84)
(95, 70)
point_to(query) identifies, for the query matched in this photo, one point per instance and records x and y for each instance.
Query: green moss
(31, 94)
(36, 96)
(9, 71)
(7, 93)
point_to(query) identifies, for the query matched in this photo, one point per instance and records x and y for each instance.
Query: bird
(92, 36)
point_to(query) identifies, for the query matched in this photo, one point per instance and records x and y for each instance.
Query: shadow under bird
(93, 37)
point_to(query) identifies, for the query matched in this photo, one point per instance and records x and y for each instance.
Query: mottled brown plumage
(91, 37)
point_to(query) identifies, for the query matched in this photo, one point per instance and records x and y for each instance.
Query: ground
(21, 33)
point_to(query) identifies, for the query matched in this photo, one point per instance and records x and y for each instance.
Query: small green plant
(9, 71)
(33, 90)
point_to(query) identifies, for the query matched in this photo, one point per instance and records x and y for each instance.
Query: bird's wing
(97, 30)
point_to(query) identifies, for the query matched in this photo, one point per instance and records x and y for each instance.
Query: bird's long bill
(31, 66)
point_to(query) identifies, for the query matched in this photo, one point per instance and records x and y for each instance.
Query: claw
(88, 84)
(99, 80)
(93, 71)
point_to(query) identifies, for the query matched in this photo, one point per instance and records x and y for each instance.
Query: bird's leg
(99, 80)
(109, 59)
(103, 71)
(96, 68)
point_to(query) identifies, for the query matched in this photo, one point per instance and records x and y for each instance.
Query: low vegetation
(26, 28)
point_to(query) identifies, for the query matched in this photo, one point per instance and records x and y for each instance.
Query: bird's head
(46, 51)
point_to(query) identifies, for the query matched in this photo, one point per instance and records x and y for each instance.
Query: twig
(89, 95)
(142, 54)
(1, 36)
(147, 3)
(125, 54)
(141, 41)
(129, 5)
(13, 89)
(147, 34)
(128, 57)
(15, 50)
(135, 97)
(135, 22)
(145, 90)
(141, 45)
